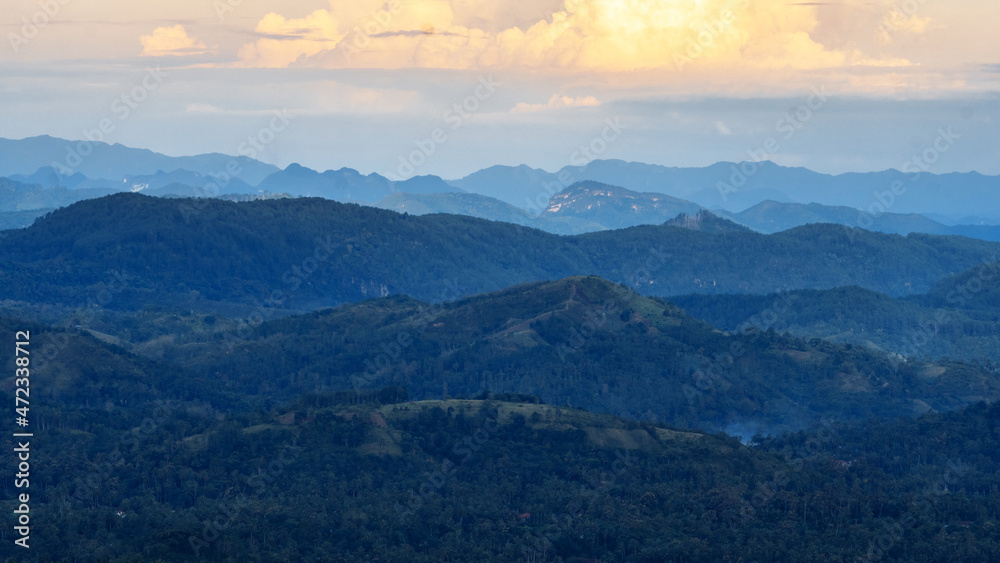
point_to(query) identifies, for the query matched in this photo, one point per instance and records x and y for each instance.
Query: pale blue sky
(891, 77)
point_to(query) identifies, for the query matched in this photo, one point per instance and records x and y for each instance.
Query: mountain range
(734, 187)
(583, 207)
(99, 160)
(781, 197)
(773, 217)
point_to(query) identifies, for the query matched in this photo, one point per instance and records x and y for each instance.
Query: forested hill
(494, 481)
(580, 341)
(958, 318)
(309, 253)
(584, 342)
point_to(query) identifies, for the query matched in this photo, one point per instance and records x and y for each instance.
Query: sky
(447, 87)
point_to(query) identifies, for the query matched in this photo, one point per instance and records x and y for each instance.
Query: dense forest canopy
(303, 380)
(305, 254)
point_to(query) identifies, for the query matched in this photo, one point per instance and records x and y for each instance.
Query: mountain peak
(706, 222)
(615, 207)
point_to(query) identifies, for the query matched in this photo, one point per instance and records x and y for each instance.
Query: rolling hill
(309, 253)
(959, 317)
(497, 480)
(145, 458)
(583, 342)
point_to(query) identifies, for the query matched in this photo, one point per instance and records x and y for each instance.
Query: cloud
(196, 107)
(896, 22)
(322, 98)
(283, 40)
(723, 129)
(170, 41)
(859, 59)
(909, 24)
(557, 102)
(585, 35)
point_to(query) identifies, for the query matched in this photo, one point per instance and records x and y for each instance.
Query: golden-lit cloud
(909, 24)
(585, 35)
(170, 41)
(896, 22)
(283, 41)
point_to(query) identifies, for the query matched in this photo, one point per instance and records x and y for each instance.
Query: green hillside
(583, 342)
(309, 253)
(488, 480)
(958, 318)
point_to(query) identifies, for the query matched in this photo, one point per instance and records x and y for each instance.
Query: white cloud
(557, 102)
(723, 129)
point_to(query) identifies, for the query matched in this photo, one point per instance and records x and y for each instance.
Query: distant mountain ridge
(19, 197)
(735, 187)
(771, 217)
(764, 196)
(98, 160)
(483, 207)
(339, 185)
(515, 185)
